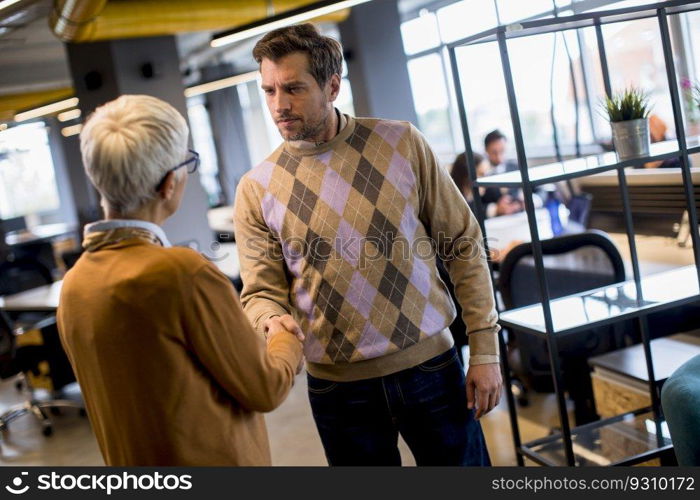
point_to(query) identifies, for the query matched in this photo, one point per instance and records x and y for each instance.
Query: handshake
(284, 325)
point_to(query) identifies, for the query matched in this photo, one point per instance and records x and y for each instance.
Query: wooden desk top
(668, 353)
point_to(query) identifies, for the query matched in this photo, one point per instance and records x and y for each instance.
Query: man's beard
(310, 131)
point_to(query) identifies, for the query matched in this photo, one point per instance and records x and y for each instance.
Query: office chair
(573, 263)
(18, 361)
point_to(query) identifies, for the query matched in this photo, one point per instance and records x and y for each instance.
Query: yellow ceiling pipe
(13, 103)
(92, 20)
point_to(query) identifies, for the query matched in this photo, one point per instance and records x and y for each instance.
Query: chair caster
(47, 431)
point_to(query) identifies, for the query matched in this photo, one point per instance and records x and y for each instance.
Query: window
(27, 177)
(542, 82)
(203, 142)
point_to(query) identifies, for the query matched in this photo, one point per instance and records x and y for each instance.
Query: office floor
(293, 436)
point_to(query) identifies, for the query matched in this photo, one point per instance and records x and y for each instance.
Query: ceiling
(31, 57)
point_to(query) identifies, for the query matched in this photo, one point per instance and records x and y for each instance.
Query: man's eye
(268, 91)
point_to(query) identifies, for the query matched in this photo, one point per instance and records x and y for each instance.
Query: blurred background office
(397, 66)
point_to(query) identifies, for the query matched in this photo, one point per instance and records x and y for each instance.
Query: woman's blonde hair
(128, 145)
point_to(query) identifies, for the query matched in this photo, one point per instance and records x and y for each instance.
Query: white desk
(505, 229)
(38, 234)
(221, 219)
(43, 298)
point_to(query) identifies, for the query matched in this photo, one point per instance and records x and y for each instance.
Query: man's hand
(484, 385)
(286, 323)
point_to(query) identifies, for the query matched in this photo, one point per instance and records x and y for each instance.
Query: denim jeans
(359, 422)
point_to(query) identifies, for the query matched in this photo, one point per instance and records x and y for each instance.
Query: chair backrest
(23, 274)
(680, 399)
(573, 263)
(8, 366)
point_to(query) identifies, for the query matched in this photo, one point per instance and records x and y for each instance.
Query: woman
(171, 371)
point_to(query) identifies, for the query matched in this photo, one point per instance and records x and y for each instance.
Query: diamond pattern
(382, 233)
(358, 139)
(406, 333)
(318, 251)
(393, 285)
(329, 301)
(368, 180)
(339, 346)
(302, 201)
(353, 307)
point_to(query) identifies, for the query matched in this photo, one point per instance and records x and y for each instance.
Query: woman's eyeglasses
(192, 163)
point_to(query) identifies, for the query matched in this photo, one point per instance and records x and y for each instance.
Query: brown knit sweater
(341, 236)
(171, 371)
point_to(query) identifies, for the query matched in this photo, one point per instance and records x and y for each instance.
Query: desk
(40, 299)
(221, 219)
(39, 234)
(505, 229)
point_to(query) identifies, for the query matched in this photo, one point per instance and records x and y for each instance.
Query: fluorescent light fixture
(294, 16)
(47, 110)
(230, 81)
(7, 3)
(71, 114)
(72, 130)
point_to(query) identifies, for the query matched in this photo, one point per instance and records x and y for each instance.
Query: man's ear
(333, 87)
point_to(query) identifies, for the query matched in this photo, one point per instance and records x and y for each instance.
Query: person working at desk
(171, 370)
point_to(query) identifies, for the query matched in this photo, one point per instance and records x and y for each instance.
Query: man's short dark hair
(493, 136)
(325, 54)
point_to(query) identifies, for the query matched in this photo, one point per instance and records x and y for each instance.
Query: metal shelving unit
(642, 430)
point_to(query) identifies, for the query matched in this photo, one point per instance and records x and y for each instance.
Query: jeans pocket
(319, 385)
(439, 362)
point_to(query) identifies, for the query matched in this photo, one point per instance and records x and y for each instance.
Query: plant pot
(631, 138)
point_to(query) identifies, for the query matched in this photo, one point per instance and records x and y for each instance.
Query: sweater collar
(305, 148)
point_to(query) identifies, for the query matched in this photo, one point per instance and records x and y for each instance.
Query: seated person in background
(657, 133)
(171, 370)
(496, 201)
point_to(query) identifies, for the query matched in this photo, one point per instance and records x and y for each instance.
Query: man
(322, 228)
(500, 201)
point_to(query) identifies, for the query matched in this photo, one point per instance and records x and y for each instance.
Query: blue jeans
(359, 422)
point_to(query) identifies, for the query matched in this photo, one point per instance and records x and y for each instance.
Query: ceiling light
(72, 130)
(205, 88)
(294, 16)
(47, 110)
(71, 114)
(7, 3)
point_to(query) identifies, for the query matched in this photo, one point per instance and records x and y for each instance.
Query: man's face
(299, 107)
(496, 151)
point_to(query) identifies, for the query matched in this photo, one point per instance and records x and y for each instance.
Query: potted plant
(628, 112)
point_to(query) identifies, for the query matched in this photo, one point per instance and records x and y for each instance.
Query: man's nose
(282, 102)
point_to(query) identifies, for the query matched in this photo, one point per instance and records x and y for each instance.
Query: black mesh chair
(573, 263)
(19, 360)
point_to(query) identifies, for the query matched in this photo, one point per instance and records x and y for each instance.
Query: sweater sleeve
(265, 286)
(451, 224)
(257, 375)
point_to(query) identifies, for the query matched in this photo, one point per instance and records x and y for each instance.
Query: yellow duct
(14, 103)
(92, 20)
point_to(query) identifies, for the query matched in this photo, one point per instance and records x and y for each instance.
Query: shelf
(576, 21)
(622, 440)
(605, 305)
(585, 166)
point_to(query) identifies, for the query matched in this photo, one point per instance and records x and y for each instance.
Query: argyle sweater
(342, 236)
